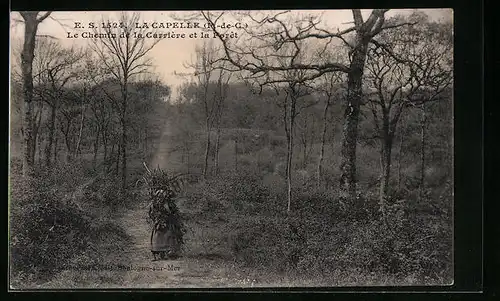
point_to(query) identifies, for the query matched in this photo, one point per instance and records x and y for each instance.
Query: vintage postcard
(231, 149)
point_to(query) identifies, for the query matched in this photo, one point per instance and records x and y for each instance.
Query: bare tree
(222, 87)
(69, 112)
(307, 127)
(272, 33)
(204, 73)
(31, 22)
(211, 91)
(38, 110)
(100, 106)
(402, 133)
(55, 67)
(294, 94)
(406, 67)
(122, 50)
(83, 107)
(330, 87)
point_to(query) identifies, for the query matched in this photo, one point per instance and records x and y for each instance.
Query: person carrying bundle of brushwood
(167, 226)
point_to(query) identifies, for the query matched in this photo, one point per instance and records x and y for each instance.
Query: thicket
(322, 240)
(62, 220)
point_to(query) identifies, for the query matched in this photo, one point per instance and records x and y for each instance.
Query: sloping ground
(160, 157)
(131, 266)
(196, 268)
(200, 266)
(186, 272)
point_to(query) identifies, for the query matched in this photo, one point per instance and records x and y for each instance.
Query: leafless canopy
(121, 51)
(278, 39)
(411, 65)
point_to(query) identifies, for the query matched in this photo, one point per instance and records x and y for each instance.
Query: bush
(230, 193)
(402, 243)
(320, 240)
(46, 231)
(329, 239)
(265, 243)
(266, 160)
(59, 219)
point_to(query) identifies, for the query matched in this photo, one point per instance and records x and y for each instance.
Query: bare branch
(398, 25)
(43, 17)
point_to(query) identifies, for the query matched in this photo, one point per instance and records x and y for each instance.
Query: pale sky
(170, 55)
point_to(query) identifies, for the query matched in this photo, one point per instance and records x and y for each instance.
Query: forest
(320, 157)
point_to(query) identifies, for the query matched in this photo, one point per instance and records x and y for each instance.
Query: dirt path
(192, 270)
(185, 272)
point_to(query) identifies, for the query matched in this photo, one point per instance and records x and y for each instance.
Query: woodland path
(184, 272)
(194, 269)
(188, 271)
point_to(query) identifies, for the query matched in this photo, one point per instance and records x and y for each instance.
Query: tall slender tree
(31, 22)
(332, 90)
(122, 51)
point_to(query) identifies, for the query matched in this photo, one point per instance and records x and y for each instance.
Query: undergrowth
(62, 221)
(321, 239)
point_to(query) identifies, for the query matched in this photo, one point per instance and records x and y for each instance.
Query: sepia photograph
(231, 149)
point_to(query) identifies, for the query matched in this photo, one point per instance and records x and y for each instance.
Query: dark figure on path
(166, 234)
(167, 226)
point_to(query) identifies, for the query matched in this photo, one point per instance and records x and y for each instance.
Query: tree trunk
(117, 156)
(350, 130)
(68, 149)
(52, 125)
(96, 146)
(123, 146)
(236, 156)
(105, 144)
(35, 133)
(385, 160)
(216, 155)
(323, 140)
(207, 150)
(38, 134)
(123, 155)
(40, 156)
(80, 131)
(289, 155)
(304, 154)
(112, 155)
(56, 148)
(304, 143)
(422, 152)
(400, 155)
(27, 55)
(67, 140)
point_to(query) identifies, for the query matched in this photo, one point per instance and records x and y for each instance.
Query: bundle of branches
(163, 211)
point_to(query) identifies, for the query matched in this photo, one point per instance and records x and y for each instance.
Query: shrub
(401, 243)
(319, 239)
(266, 160)
(59, 219)
(46, 231)
(230, 193)
(268, 243)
